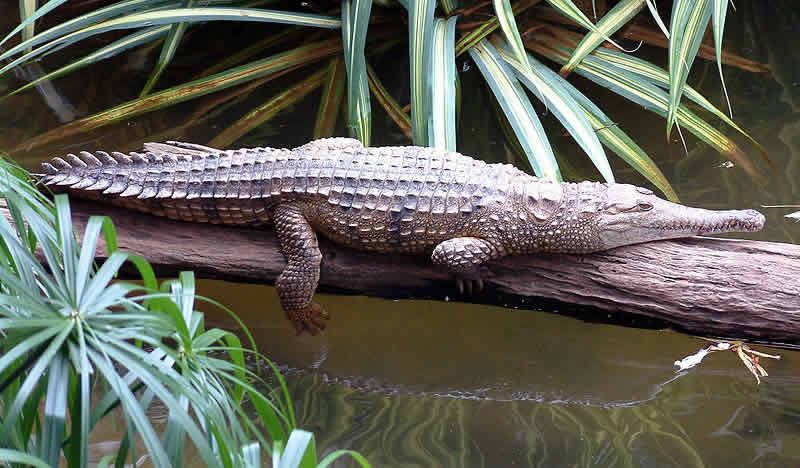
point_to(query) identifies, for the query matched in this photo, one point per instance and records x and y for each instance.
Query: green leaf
(128, 42)
(177, 15)
(650, 97)
(292, 58)
(502, 10)
(720, 9)
(616, 18)
(660, 78)
(333, 456)
(420, 30)
(395, 111)
(550, 88)
(171, 44)
(300, 451)
(442, 74)
(268, 110)
(331, 100)
(476, 35)
(74, 24)
(688, 23)
(517, 109)
(568, 9)
(355, 21)
(621, 144)
(654, 12)
(55, 410)
(14, 456)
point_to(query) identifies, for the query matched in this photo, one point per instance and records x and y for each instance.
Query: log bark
(718, 287)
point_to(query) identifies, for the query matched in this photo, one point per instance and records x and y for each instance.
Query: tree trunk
(731, 288)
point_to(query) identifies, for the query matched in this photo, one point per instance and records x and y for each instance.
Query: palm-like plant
(69, 332)
(503, 59)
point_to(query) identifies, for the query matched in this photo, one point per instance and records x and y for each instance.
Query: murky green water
(422, 383)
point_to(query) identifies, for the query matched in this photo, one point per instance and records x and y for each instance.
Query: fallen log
(718, 287)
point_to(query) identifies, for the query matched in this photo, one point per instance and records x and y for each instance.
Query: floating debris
(749, 357)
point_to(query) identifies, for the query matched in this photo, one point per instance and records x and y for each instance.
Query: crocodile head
(632, 215)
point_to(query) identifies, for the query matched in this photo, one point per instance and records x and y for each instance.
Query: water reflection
(446, 384)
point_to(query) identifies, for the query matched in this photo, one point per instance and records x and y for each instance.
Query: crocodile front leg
(464, 256)
(298, 281)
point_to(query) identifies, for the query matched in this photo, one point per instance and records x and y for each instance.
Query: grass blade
(131, 41)
(550, 88)
(660, 78)
(75, 24)
(654, 12)
(167, 52)
(621, 144)
(568, 9)
(517, 109)
(720, 9)
(420, 30)
(23, 458)
(355, 21)
(616, 18)
(391, 106)
(295, 57)
(55, 410)
(651, 97)
(688, 23)
(442, 73)
(473, 37)
(177, 15)
(268, 110)
(331, 100)
(504, 15)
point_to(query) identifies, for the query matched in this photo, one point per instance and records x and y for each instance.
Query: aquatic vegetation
(77, 345)
(499, 43)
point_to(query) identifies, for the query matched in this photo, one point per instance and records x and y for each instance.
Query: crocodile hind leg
(465, 257)
(298, 281)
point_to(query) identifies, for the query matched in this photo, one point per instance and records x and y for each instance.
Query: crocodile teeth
(107, 159)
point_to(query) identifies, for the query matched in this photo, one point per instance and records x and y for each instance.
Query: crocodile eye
(644, 206)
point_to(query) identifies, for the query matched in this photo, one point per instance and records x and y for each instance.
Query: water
(429, 383)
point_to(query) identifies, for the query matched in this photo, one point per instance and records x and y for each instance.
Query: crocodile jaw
(670, 220)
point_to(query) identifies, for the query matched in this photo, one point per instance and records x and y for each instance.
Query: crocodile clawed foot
(310, 319)
(473, 282)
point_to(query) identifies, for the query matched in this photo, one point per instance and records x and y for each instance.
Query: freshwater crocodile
(399, 200)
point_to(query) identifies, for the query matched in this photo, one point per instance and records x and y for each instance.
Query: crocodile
(460, 211)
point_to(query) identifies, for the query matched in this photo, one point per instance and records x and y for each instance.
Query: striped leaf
(568, 9)
(268, 110)
(720, 9)
(442, 73)
(689, 20)
(659, 77)
(331, 100)
(549, 87)
(654, 12)
(355, 21)
(616, 18)
(504, 15)
(75, 24)
(517, 109)
(650, 97)
(134, 40)
(395, 111)
(271, 65)
(27, 17)
(420, 31)
(167, 52)
(474, 36)
(620, 143)
(153, 18)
